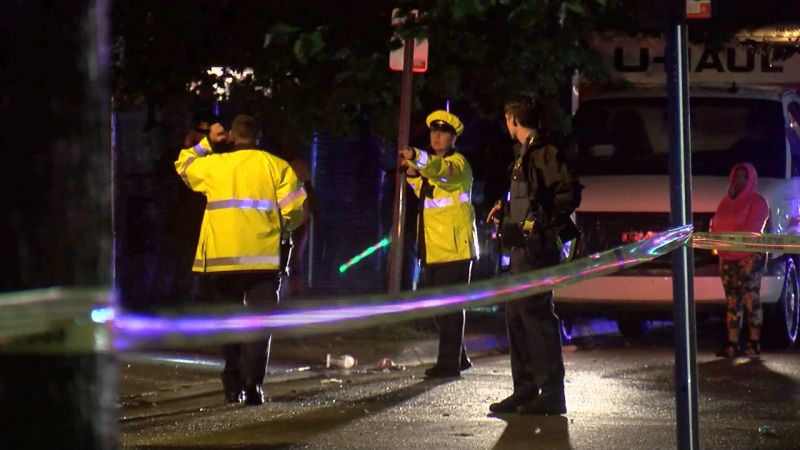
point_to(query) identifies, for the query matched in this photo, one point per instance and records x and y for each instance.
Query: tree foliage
(323, 64)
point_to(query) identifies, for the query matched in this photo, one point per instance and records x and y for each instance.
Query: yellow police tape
(747, 242)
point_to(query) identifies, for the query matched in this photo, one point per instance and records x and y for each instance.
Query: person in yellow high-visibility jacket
(446, 234)
(252, 196)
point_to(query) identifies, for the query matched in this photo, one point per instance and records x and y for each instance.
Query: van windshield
(625, 136)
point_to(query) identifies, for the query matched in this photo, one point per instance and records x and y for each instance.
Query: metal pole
(680, 169)
(312, 225)
(398, 224)
(117, 204)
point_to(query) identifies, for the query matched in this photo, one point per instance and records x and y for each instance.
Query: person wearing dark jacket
(536, 220)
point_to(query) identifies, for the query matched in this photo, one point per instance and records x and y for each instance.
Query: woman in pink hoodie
(742, 210)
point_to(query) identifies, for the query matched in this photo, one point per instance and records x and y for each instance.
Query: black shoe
(442, 372)
(232, 389)
(252, 395)
(465, 363)
(547, 403)
(510, 403)
(231, 386)
(233, 395)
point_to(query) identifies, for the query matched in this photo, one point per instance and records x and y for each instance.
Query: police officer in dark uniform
(543, 193)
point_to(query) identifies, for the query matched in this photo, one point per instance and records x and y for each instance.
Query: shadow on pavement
(280, 446)
(742, 378)
(299, 430)
(530, 432)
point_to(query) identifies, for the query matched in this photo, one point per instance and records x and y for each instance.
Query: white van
(622, 140)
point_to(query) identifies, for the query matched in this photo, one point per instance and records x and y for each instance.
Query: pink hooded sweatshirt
(747, 212)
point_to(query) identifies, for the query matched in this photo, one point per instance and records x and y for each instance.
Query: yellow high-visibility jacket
(448, 216)
(252, 196)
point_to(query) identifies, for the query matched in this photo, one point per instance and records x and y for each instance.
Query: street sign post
(397, 56)
(398, 224)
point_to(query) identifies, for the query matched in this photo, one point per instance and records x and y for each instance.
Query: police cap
(444, 121)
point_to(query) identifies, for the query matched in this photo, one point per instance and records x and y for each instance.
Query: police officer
(446, 234)
(536, 220)
(252, 196)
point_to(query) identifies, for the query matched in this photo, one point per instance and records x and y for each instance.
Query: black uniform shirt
(518, 200)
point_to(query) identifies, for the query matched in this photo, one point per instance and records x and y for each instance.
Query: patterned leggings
(742, 282)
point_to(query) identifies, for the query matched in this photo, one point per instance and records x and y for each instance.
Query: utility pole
(57, 370)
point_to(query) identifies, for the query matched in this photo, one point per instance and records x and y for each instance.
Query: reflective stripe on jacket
(448, 217)
(252, 196)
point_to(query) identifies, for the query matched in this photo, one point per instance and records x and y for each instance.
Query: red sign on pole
(420, 57)
(420, 49)
(698, 9)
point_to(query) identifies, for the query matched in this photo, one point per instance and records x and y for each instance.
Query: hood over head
(752, 180)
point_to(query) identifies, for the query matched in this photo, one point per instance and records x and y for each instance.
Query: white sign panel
(397, 56)
(698, 9)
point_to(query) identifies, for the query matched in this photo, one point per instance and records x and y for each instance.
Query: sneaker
(752, 350)
(730, 351)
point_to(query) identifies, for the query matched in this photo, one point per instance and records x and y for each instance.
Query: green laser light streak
(356, 259)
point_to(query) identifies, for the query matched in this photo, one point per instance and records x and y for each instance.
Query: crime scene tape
(347, 313)
(747, 242)
(55, 320)
(63, 311)
(74, 319)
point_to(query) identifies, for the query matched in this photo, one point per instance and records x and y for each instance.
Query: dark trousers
(534, 336)
(451, 326)
(245, 362)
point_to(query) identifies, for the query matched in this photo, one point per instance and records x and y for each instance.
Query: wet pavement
(620, 394)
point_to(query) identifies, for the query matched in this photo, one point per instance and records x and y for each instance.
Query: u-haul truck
(744, 107)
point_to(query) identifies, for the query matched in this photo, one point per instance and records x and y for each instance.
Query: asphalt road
(620, 395)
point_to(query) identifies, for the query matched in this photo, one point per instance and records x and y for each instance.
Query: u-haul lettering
(641, 61)
(728, 60)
